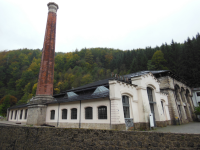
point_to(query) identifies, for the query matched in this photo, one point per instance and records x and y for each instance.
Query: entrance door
(151, 103)
(152, 111)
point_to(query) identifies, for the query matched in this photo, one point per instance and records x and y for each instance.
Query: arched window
(74, 113)
(150, 95)
(151, 102)
(15, 114)
(102, 112)
(162, 106)
(21, 114)
(88, 113)
(25, 116)
(11, 114)
(125, 102)
(64, 114)
(52, 115)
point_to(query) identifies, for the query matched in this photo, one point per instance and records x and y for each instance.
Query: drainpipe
(80, 116)
(58, 114)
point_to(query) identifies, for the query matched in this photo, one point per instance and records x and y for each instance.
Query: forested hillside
(19, 69)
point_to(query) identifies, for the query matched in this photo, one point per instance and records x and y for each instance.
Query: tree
(6, 102)
(158, 60)
(89, 57)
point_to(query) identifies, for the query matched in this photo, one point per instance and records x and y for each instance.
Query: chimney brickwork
(46, 75)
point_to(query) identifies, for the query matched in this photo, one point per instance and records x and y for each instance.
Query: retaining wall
(46, 138)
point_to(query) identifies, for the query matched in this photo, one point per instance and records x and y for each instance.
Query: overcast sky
(119, 24)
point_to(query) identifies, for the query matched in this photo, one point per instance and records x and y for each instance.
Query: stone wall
(61, 138)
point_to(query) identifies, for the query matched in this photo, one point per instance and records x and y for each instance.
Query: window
(15, 114)
(21, 114)
(11, 114)
(125, 102)
(52, 115)
(64, 114)
(25, 116)
(150, 95)
(74, 113)
(88, 113)
(102, 112)
(198, 93)
(162, 105)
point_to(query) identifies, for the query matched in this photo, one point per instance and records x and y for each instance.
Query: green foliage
(158, 61)
(5, 103)
(197, 110)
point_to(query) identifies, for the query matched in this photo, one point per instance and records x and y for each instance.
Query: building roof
(19, 106)
(87, 96)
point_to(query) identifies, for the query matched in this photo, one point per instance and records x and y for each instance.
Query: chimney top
(52, 7)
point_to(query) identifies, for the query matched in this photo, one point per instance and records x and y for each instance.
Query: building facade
(115, 103)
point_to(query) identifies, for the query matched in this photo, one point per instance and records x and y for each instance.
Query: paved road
(192, 127)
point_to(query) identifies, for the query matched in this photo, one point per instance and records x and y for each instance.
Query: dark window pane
(11, 114)
(88, 113)
(64, 114)
(21, 114)
(126, 112)
(102, 112)
(149, 93)
(198, 93)
(125, 102)
(162, 105)
(74, 113)
(15, 114)
(52, 114)
(25, 113)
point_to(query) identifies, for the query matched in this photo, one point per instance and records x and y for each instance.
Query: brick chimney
(37, 106)
(46, 75)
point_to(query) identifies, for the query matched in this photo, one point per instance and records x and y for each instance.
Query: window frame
(26, 111)
(88, 113)
(52, 115)
(11, 115)
(102, 114)
(126, 106)
(15, 114)
(74, 116)
(21, 114)
(64, 116)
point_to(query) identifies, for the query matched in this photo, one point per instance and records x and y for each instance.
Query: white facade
(126, 105)
(18, 115)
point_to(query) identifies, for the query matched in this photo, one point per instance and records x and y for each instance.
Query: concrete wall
(61, 138)
(167, 85)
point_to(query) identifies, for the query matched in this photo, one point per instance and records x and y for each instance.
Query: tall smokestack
(38, 105)
(46, 75)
